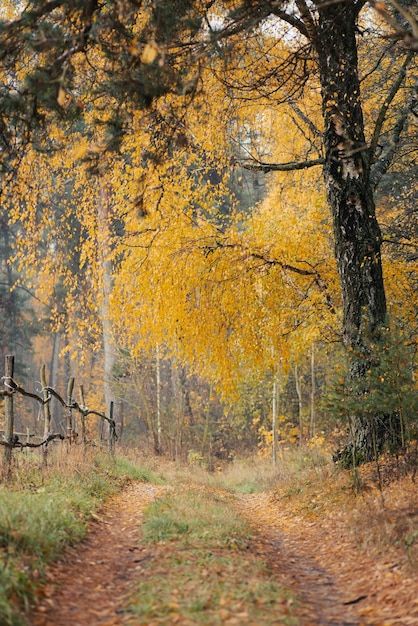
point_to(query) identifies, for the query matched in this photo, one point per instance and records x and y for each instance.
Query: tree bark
(347, 175)
(106, 267)
(350, 196)
(8, 415)
(55, 407)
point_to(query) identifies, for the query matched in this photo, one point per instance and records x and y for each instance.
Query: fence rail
(11, 439)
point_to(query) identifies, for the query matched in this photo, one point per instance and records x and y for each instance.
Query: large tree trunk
(350, 196)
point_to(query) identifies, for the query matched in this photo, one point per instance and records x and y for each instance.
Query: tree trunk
(312, 419)
(298, 383)
(350, 196)
(55, 407)
(47, 414)
(106, 267)
(8, 415)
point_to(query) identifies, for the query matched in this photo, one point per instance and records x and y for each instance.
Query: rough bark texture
(347, 175)
(350, 196)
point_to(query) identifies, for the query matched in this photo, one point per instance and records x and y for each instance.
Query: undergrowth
(252, 474)
(376, 504)
(44, 510)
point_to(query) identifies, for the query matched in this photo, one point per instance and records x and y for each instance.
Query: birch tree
(138, 53)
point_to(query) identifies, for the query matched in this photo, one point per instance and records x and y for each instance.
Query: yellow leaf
(61, 97)
(80, 150)
(149, 53)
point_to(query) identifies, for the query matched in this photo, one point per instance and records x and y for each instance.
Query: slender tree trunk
(8, 415)
(47, 414)
(206, 425)
(106, 269)
(312, 422)
(274, 417)
(158, 429)
(350, 194)
(55, 407)
(298, 383)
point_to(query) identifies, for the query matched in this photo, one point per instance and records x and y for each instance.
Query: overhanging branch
(260, 166)
(267, 260)
(408, 34)
(400, 78)
(384, 162)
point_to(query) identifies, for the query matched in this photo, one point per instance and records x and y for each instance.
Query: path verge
(91, 586)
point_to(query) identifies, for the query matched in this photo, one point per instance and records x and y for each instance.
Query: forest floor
(343, 556)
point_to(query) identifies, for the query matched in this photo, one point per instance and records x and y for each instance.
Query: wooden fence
(11, 439)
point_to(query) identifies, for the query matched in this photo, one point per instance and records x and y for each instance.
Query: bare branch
(13, 387)
(307, 20)
(384, 162)
(16, 443)
(279, 167)
(388, 100)
(292, 20)
(315, 131)
(410, 37)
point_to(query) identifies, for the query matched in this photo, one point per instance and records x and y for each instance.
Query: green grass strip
(203, 569)
(43, 512)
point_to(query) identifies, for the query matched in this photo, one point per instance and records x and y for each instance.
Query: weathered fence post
(112, 430)
(8, 414)
(83, 416)
(47, 414)
(70, 388)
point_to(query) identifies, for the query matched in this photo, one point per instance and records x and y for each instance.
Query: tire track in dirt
(295, 567)
(92, 583)
(345, 581)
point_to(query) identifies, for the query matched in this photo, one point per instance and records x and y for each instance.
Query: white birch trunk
(106, 266)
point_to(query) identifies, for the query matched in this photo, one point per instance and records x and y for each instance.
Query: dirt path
(93, 585)
(90, 587)
(295, 566)
(343, 582)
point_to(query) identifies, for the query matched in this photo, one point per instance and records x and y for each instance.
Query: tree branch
(279, 167)
(286, 267)
(20, 444)
(307, 20)
(251, 16)
(388, 100)
(383, 163)
(399, 32)
(13, 387)
(292, 20)
(315, 131)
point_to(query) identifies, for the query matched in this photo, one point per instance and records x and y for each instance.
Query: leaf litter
(310, 543)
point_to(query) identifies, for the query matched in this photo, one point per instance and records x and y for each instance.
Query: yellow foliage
(164, 248)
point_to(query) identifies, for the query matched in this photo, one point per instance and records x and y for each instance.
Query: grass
(249, 475)
(44, 510)
(205, 571)
(196, 514)
(242, 476)
(378, 508)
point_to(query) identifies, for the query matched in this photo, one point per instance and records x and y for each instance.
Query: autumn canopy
(203, 197)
